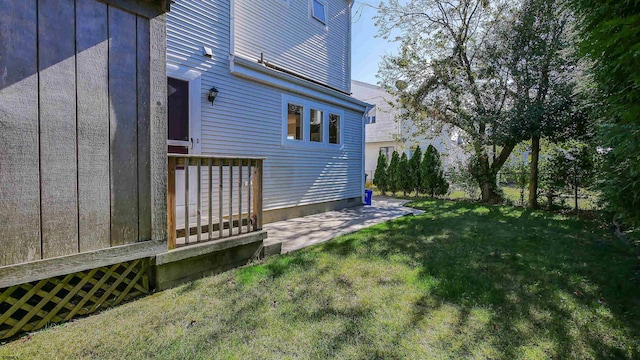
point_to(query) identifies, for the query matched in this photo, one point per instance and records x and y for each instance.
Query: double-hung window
(309, 123)
(319, 10)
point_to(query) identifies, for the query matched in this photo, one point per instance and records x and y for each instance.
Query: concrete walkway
(298, 233)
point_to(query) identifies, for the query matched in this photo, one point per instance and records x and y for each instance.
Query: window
(315, 128)
(370, 120)
(334, 129)
(387, 151)
(295, 122)
(311, 124)
(318, 11)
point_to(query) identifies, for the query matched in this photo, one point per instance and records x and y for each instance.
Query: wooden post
(171, 203)
(240, 163)
(220, 199)
(250, 164)
(187, 230)
(198, 201)
(210, 222)
(231, 162)
(257, 196)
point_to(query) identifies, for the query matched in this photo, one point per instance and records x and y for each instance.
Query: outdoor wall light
(213, 92)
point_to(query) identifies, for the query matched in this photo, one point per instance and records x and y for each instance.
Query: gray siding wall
(246, 118)
(289, 37)
(74, 128)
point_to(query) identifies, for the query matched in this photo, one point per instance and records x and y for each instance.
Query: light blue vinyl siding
(291, 38)
(246, 118)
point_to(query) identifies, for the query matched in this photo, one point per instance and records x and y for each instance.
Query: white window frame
(312, 11)
(307, 105)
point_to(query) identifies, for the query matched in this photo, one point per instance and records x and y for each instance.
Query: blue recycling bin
(367, 196)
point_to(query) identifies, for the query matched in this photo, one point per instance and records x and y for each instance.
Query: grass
(460, 281)
(587, 200)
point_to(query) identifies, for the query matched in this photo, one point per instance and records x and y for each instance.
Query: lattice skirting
(31, 306)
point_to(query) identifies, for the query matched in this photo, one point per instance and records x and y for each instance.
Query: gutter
(292, 82)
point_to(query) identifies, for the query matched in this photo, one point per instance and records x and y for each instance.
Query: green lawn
(461, 280)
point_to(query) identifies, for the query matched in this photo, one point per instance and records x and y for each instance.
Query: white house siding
(246, 118)
(386, 131)
(289, 37)
(372, 149)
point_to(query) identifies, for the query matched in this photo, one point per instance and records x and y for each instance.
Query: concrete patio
(298, 233)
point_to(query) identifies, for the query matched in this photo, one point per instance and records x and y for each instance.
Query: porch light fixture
(213, 92)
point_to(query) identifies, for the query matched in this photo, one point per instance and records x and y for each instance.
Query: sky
(366, 50)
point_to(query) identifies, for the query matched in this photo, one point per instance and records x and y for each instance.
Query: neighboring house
(281, 71)
(385, 133)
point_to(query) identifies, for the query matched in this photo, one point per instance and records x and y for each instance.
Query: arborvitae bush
(414, 168)
(432, 173)
(405, 175)
(392, 173)
(380, 177)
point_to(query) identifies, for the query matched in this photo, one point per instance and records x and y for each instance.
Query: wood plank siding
(75, 126)
(246, 118)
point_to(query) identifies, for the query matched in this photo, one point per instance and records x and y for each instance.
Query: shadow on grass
(552, 276)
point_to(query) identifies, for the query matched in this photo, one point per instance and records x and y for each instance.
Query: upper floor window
(319, 10)
(370, 120)
(309, 123)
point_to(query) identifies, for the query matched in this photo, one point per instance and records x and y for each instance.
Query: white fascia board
(252, 70)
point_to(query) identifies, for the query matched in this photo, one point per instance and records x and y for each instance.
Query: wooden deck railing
(212, 197)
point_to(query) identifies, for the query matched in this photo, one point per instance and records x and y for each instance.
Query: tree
(414, 166)
(569, 167)
(443, 73)
(537, 50)
(610, 42)
(393, 173)
(404, 175)
(380, 177)
(432, 173)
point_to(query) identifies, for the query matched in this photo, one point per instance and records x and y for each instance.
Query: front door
(182, 138)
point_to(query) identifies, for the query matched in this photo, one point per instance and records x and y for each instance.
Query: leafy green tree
(444, 73)
(568, 168)
(432, 173)
(414, 166)
(380, 177)
(610, 42)
(393, 173)
(405, 175)
(537, 50)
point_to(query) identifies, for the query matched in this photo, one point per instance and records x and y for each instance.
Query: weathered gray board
(78, 124)
(144, 134)
(124, 130)
(158, 121)
(19, 170)
(92, 58)
(57, 97)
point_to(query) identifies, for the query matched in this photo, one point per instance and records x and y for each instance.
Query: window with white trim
(316, 127)
(334, 128)
(310, 123)
(295, 121)
(319, 11)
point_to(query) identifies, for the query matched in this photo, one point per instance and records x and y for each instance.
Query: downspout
(232, 24)
(351, 2)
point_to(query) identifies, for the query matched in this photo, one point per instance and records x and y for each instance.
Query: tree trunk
(575, 191)
(533, 172)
